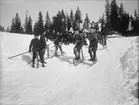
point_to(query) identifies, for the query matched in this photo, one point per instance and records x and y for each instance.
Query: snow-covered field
(111, 81)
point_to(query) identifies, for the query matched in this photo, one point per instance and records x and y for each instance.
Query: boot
(43, 65)
(78, 58)
(56, 54)
(44, 62)
(33, 66)
(91, 59)
(33, 62)
(62, 53)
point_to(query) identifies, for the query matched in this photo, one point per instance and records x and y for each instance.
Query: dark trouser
(93, 48)
(104, 41)
(43, 53)
(60, 48)
(77, 49)
(38, 53)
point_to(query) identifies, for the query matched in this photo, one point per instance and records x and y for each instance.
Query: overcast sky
(94, 8)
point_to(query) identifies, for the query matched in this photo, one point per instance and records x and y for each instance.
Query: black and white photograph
(69, 52)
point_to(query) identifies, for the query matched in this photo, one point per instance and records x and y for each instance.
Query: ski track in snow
(109, 82)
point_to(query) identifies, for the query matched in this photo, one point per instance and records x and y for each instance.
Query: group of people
(38, 45)
(93, 38)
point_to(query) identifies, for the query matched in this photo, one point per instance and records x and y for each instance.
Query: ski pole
(30, 61)
(82, 54)
(21, 53)
(18, 55)
(109, 41)
(107, 49)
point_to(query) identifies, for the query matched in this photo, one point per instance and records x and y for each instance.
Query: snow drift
(111, 81)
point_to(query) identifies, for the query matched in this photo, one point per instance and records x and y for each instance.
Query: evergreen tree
(13, 26)
(39, 27)
(125, 22)
(35, 29)
(120, 18)
(78, 19)
(135, 14)
(135, 22)
(29, 25)
(114, 15)
(8, 29)
(63, 14)
(2, 28)
(102, 20)
(86, 22)
(16, 25)
(72, 20)
(64, 21)
(78, 14)
(58, 22)
(107, 11)
(47, 22)
(71, 16)
(68, 22)
(108, 24)
(121, 10)
(26, 23)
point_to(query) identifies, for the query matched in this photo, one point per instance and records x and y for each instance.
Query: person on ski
(79, 42)
(58, 43)
(44, 45)
(93, 39)
(103, 32)
(36, 47)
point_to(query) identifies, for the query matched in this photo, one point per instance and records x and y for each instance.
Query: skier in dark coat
(79, 42)
(44, 45)
(36, 47)
(104, 36)
(58, 43)
(93, 39)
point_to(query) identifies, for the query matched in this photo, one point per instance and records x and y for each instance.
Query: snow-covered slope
(111, 81)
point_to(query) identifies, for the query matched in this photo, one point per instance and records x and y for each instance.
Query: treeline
(119, 20)
(2, 28)
(115, 19)
(62, 21)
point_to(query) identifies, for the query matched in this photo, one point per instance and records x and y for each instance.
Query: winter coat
(58, 40)
(35, 44)
(79, 39)
(42, 39)
(91, 36)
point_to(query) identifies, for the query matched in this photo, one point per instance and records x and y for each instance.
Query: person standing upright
(93, 39)
(36, 47)
(79, 42)
(44, 45)
(58, 43)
